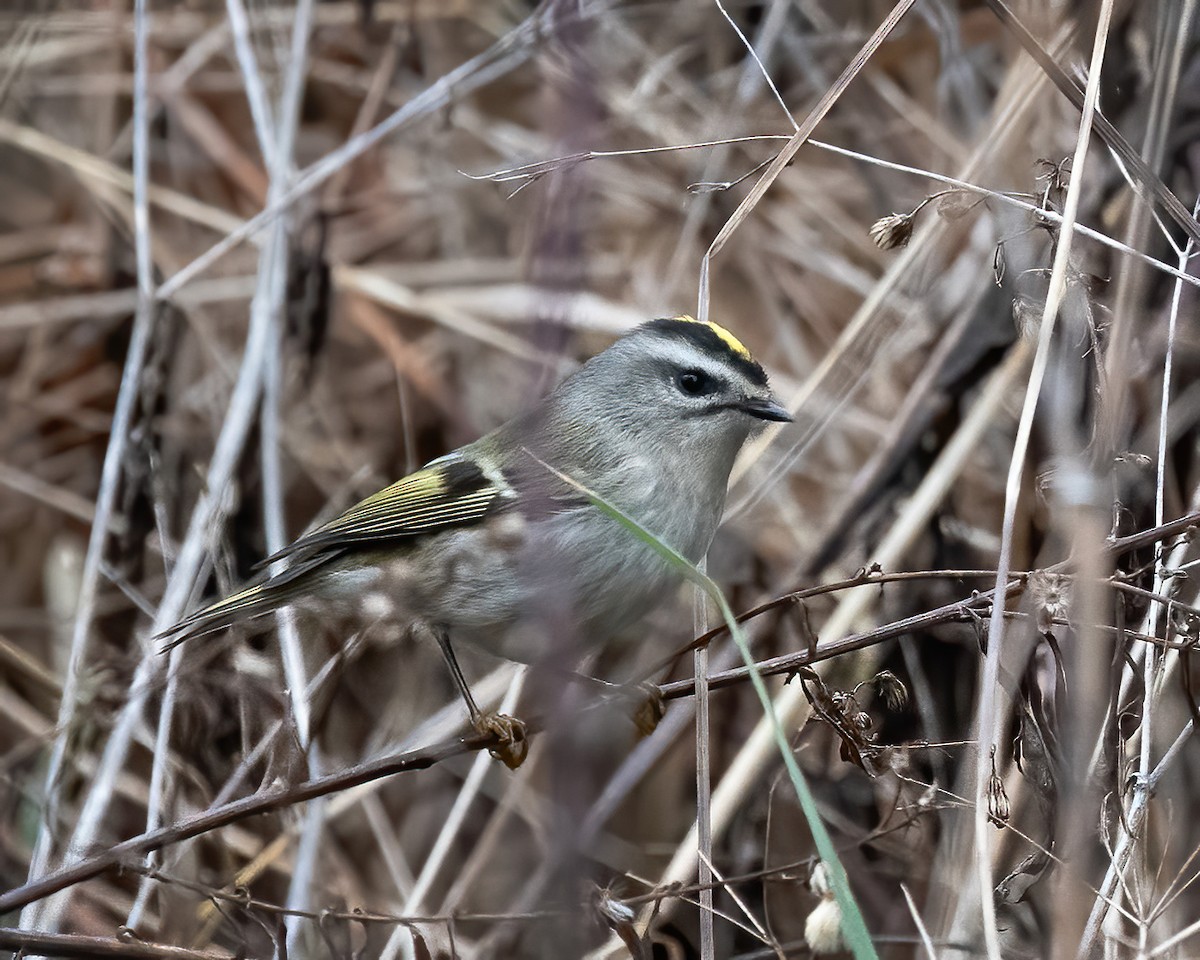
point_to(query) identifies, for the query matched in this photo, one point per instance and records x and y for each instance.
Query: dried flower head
(891, 689)
(1051, 596)
(894, 230)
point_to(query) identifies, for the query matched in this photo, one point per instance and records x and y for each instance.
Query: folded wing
(450, 492)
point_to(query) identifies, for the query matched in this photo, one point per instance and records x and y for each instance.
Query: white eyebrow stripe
(682, 354)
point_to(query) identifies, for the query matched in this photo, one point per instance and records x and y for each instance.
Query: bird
(477, 545)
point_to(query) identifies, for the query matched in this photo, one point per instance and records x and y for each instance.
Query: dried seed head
(998, 810)
(999, 265)
(1051, 596)
(618, 916)
(818, 880)
(892, 689)
(612, 911)
(894, 230)
(997, 797)
(823, 928)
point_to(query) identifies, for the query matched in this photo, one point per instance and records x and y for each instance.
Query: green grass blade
(854, 927)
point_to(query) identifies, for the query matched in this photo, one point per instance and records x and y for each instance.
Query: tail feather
(246, 604)
(254, 600)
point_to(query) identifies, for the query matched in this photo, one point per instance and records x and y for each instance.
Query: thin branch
(704, 837)
(990, 675)
(252, 83)
(530, 172)
(114, 458)
(452, 825)
(920, 924)
(511, 50)
(37, 943)
(1149, 181)
(269, 801)
(797, 140)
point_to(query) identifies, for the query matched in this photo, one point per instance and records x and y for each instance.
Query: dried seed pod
(894, 230)
(823, 927)
(892, 689)
(1051, 596)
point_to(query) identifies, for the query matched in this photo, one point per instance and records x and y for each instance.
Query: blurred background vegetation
(259, 259)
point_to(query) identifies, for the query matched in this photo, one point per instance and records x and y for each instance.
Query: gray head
(675, 385)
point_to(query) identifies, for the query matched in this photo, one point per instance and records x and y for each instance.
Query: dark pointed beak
(765, 408)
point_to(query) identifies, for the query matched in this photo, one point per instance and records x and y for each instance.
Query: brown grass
(251, 271)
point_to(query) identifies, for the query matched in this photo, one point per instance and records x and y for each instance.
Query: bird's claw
(513, 747)
(649, 707)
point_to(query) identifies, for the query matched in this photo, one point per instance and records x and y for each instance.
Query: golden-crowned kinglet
(476, 545)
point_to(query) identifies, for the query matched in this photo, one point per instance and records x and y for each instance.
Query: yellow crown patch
(732, 342)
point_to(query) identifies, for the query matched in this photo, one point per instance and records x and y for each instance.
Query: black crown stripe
(705, 337)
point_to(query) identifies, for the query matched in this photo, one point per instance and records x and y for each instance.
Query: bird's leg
(460, 681)
(513, 746)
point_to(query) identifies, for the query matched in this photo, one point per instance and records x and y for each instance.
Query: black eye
(695, 383)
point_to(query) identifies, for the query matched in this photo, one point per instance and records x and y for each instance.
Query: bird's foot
(642, 698)
(513, 747)
(648, 706)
